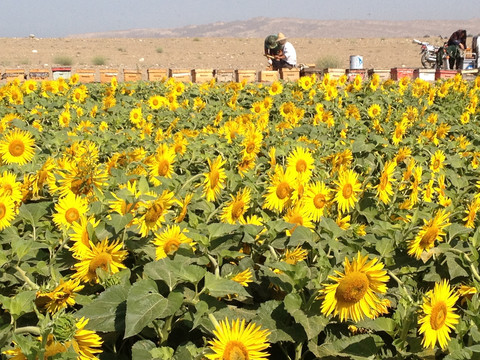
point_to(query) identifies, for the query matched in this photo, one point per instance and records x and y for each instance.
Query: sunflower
(374, 111)
(170, 240)
(104, 255)
(86, 343)
(279, 192)
(301, 161)
(347, 189)
(473, 208)
(17, 147)
(292, 257)
(298, 216)
(436, 162)
(69, 209)
(10, 187)
(432, 230)
(62, 296)
(243, 278)
(236, 208)
(438, 315)
(384, 188)
(276, 88)
(214, 179)
(237, 341)
(81, 233)
(354, 295)
(152, 212)
(316, 198)
(184, 205)
(7, 211)
(162, 164)
(80, 94)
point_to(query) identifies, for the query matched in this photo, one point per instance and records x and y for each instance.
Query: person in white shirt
(288, 57)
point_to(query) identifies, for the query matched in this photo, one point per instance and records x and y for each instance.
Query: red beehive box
(289, 74)
(352, 73)
(268, 75)
(445, 74)
(398, 73)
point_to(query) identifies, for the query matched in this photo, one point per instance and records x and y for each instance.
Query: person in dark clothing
(455, 46)
(272, 49)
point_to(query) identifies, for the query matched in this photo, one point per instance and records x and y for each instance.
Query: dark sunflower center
(16, 148)
(347, 191)
(214, 178)
(237, 209)
(429, 237)
(235, 350)
(283, 190)
(352, 287)
(154, 213)
(163, 167)
(250, 148)
(3, 210)
(301, 166)
(436, 164)
(319, 201)
(101, 260)
(171, 246)
(438, 315)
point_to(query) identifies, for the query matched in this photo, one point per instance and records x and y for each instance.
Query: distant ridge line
(259, 27)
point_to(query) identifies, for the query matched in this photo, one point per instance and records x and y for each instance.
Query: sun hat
(271, 41)
(281, 36)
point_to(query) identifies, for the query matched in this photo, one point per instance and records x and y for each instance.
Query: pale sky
(60, 18)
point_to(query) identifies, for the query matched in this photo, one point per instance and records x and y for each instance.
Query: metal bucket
(356, 62)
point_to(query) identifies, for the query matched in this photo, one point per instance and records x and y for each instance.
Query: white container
(356, 62)
(468, 64)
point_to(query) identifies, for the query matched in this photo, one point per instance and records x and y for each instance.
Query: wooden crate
(106, 75)
(425, 74)
(289, 74)
(245, 75)
(224, 75)
(334, 72)
(312, 71)
(352, 74)
(157, 74)
(268, 76)
(202, 75)
(399, 73)
(64, 72)
(183, 75)
(86, 75)
(132, 75)
(469, 74)
(445, 74)
(38, 74)
(12, 74)
(383, 74)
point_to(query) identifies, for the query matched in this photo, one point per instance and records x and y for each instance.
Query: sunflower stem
(23, 275)
(35, 330)
(215, 265)
(272, 251)
(213, 320)
(475, 273)
(401, 284)
(298, 351)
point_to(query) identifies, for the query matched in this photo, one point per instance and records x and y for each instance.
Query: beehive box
(157, 74)
(12, 74)
(132, 75)
(289, 74)
(245, 75)
(39, 74)
(352, 74)
(398, 73)
(425, 74)
(61, 72)
(334, 72)
(383, 74)
(183, 75)
(106, 75)
(202, 75)
(268, 75)
(224, 75)
(311, 71)
(86, 75)
(445, 74)
(469, 74)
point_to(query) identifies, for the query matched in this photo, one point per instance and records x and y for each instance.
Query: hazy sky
(59, 18)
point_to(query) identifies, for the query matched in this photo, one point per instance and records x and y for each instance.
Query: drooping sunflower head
(214, 179)
(170, 240)
(236, 208)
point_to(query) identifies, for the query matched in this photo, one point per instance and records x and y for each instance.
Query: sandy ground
(201, 53)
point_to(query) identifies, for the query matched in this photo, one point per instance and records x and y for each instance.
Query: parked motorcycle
(430, 58)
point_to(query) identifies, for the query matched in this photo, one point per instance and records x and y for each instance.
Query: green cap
(271, 41)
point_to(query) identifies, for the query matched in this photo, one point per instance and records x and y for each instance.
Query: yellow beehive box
(334, 73)
(289, 74)
(268, 75)
(225, 75)
(383, 74)
(157, 74)
(106, 75)
(202, 75)
(12, 74)
(132, 75)
(86, 75)
(183, 75)
(245, 75)
(39, 74)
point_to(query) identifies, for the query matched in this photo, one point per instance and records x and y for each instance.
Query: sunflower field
(316, 219)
